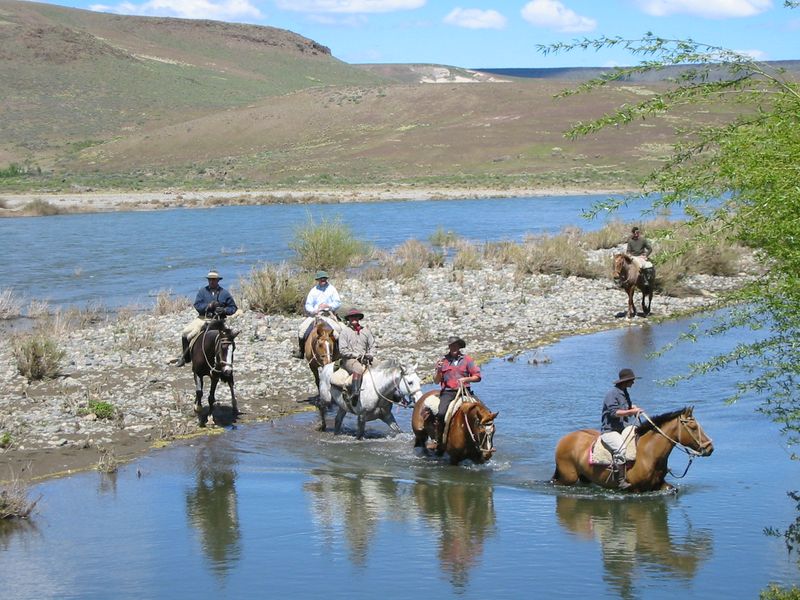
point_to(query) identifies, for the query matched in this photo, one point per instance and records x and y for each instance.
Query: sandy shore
(91, 201)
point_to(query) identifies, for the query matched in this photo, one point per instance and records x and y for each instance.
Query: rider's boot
(355, 388)
(439, 425)
(184, 353)
(619, 475)
(300, 351)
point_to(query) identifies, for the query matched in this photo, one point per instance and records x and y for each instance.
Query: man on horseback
(640, 250)
(618, 410)
(357, 349)
(212, 301)
(322, 300)
(454, 372)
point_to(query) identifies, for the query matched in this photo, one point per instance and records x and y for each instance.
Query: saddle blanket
(432, 402)
(341, 378)
(599, 454)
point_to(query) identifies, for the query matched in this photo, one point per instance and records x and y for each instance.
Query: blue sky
(484, 33)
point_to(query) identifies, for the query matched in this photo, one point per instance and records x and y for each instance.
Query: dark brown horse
(471, 431)
(629, 277)
(212, 356)
(655, 439)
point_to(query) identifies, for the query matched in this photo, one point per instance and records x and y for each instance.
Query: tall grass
(168, 303)
(443, 239)
(467, 257)
(275, 289)
(554, 255)
(37, 354)
(406, 261)
(10, 304)
(41, 208)
(14, 503)
(328, 245)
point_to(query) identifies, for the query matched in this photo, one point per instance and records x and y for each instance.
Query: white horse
(382, 386)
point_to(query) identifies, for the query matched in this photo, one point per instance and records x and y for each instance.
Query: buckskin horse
(629, 277)
(655, 440)
(471, 430)
(212, 356)
(382, 386)
(321, 348)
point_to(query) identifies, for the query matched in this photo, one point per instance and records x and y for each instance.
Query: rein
(217, 345)
(405, 402)
(488, 430)
(690, 452)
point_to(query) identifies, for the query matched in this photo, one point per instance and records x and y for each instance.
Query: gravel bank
(124, 361)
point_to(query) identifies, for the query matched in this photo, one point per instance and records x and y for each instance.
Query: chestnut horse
(629, 277)
(212, 356)
(321, 348)
(471, 431)
(655, 439)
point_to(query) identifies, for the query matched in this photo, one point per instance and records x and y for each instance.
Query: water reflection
(353, 505)
(463, 515)
(635, 534)
(211, 506)
(16, 529)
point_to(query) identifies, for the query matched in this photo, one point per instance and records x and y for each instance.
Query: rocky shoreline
(124, 360)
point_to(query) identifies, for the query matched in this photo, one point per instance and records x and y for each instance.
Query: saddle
(599, 454)
(432, 404)
(341, 378)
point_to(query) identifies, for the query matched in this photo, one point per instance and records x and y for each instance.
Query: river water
(125, 258)
(280, 510)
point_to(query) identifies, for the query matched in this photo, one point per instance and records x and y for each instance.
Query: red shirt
(454, 368)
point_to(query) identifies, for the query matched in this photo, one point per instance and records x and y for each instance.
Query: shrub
(12, 170)
(610, 235)
(503, 253)
(467, 257)
(41, 208)
(328, 245)
(443, 239)
(557, 255)
(407, 261)
(38, 308)
(167, 303)
(773, 592)
(102, 410)
(10, 305)
(14, 503)
(37, 354)
(107, 463)
(5, 440)
(275, 289)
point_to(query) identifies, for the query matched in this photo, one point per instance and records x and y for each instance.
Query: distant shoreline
(19, 205)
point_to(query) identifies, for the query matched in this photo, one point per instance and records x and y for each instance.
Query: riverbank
(123, 360)
(20, 205)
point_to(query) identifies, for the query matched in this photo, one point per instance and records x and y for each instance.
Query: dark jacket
(205, 296)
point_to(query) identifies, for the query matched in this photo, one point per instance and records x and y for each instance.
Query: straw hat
(212, 274)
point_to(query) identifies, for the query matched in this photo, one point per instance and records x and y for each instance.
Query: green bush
(329, 245)
(5, 440)
(443, 239)
(38, 355)
(275, 289)
(12, 170)
(102, 410)
(773, 592)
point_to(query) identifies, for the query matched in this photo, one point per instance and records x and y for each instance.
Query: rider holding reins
(618, 412)
(322, 300)
(640, 249)
(357, 349)
(454, 371)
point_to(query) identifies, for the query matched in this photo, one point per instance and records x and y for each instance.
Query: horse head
(410, 385)
(481, 424)
(223, 352)
(621, 269)
(323, 344)
(691, 434)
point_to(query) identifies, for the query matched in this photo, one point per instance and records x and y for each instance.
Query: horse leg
(234, 405)
(631, 305)
(212, 394)
(322, 426)
(198, 400)
(389, 419)
(646, 309)
(337, 424)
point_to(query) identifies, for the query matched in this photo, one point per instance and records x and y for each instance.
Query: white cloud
(754, 54)
(474, 18)
(348, 6)
(552, 14)
(712, 9)
(336, 21)
(188, 9)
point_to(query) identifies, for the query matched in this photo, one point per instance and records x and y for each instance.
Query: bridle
(397, 382)
(690, 452)
(324, 358)
(483, 438)
(223, 351)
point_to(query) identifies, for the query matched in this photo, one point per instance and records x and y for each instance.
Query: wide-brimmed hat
(454, 339)
(321, 275)
(212, 274)
(625, 375)
(354, 312)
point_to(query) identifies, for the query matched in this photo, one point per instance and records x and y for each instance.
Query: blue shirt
(206, 296)
(616, 399)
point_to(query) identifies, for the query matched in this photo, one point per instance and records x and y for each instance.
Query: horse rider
(357, 349)
(212, 301)
(640, 250)
(618, 412)
(322, 300)
(454, 372)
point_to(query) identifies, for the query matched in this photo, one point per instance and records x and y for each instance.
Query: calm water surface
(121, 259)
(280, 510)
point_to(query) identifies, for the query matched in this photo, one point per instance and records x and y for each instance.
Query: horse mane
(659, 420)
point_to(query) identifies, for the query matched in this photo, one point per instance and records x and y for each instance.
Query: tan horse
(628, 276)
(654, 442)
(321, 349)
(471, 431)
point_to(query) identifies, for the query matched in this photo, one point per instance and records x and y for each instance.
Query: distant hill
(92, 100)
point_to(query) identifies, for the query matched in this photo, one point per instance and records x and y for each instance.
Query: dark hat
(625, 375)
(321, 275)
(454, 339)
(212, 274)
(354, 312)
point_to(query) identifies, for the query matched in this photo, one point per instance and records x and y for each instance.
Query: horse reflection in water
(463, 514)
(635, 535)
(351, 506)
(212, 505)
